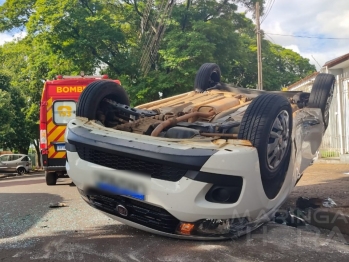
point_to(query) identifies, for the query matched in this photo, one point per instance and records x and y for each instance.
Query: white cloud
(8, 38)
(322, 18)
(4, 38)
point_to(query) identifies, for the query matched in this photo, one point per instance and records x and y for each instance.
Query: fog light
(223, 194)
(220, 194)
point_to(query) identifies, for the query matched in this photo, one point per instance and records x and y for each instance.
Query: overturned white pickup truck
(212, 163)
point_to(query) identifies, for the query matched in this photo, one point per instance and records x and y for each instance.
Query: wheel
(267, 124)
(209, 75)
(95, 92)
(321, 95)
(21, 170)
(51, 178)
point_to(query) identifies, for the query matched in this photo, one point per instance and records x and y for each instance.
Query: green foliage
(28, 63)
(12, 103)
(5, 106)
(88, 32)
(69, 36)
(282, 66)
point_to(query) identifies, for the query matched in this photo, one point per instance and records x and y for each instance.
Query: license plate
(60, 147)
(119, 191)
(122, 184)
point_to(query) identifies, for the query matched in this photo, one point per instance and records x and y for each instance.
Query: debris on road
(316, 212)
(304, 203)
(328, 202)
(290, 218)
(55, 205)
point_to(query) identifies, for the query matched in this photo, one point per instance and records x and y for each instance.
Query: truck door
(62, 112)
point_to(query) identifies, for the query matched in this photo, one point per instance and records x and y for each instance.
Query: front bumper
(182, 195)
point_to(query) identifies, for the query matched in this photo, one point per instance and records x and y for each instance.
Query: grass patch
(328, 153)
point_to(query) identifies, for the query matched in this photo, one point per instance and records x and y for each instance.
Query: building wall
(5, 152)
(346, 70)
(336, 71)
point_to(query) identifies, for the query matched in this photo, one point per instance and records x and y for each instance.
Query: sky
(315, 18)
(319, 18)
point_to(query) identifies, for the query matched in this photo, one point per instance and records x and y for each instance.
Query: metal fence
(33, 158)
(336, 139)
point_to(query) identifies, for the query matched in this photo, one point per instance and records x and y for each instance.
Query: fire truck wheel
(51, 178)
(93, 95)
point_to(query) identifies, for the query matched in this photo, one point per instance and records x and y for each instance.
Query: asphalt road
(30, 230)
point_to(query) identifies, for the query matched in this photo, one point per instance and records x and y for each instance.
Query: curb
(330, 161)
(11, 177)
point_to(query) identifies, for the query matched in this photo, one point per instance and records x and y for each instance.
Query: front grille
(139, 212)
(159, 171)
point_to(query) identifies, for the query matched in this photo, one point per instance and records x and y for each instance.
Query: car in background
(19, 163)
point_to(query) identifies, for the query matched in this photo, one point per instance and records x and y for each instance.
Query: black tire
(51, 178)
(321, 95)
(95, 92)
(21, 171)
(257, 124)
(209, 75)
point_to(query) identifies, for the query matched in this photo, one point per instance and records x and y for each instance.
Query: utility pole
(259, 49)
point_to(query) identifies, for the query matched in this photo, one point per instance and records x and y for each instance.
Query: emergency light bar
(79, 76)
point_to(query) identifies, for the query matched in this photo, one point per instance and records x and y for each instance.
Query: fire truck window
(63, 112)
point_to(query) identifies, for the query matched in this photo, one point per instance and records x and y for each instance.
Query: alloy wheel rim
(278, 139)
(328, 103)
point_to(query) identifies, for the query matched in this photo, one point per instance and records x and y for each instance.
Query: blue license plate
(119, 191)
(60, 147)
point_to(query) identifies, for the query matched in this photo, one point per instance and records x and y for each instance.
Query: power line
(267, 13)
(267, 5)
(308, 36)
(272, 40)
(267, 9)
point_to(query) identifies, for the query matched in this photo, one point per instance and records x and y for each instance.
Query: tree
(28, 63)
(5, 107)
(88, 32)
(73, 35)
(16, 136)
(282, 66)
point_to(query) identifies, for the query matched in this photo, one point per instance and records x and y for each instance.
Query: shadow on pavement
(19, 212)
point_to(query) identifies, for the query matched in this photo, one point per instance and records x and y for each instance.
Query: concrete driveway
(30, 230)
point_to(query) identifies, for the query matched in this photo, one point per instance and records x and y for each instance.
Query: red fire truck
(57, 108)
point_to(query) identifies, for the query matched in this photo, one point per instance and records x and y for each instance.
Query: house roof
(336, 61)
(305, 79)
